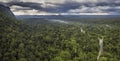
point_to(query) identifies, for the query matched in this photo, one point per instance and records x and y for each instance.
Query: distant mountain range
(66, 16)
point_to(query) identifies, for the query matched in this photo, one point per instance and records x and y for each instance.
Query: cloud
(64, 6)
(62, 1)
(48, 7)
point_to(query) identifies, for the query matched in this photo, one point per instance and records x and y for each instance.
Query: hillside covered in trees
(70, 40)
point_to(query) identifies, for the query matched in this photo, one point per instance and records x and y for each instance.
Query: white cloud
(96, 9)
(84, 9)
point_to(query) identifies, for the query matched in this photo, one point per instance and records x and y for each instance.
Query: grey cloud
(60, 7)
(38, 6)
(79, 6)
(25, 4)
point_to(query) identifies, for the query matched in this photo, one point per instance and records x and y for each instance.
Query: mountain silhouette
(6, 10)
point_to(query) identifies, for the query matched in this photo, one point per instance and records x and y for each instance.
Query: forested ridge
(42, 40)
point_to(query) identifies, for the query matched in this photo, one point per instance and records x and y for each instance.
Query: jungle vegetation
(44, 40)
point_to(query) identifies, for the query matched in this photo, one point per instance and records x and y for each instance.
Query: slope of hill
(12, 34)
(6, 10)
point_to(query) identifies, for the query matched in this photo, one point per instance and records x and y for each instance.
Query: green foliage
(42, 40)
(103, 59)
(57, 59)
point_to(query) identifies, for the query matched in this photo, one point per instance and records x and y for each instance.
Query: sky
(64, 7)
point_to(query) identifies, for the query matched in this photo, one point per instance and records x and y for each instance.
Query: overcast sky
(66, 7)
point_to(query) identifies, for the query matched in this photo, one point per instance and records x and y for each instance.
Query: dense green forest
(44, 40)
